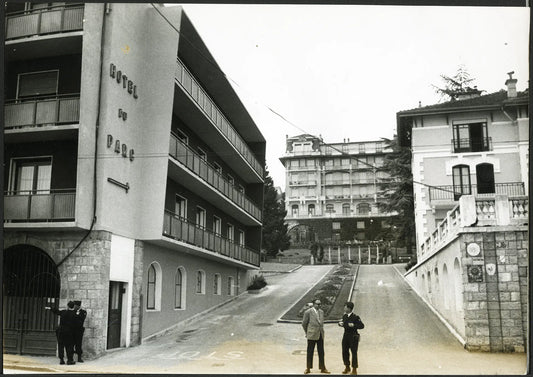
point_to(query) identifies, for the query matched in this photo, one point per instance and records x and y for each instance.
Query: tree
(397, 190)
(457, 85)
(275, 237)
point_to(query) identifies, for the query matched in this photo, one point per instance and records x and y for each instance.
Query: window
(217, 168)
(335, 225)
(470, 137)
(231, 286)
(202, 154)
(241, 238)
(231, 180)
(181, 207)
(217, 282)
(31, 175)
(37, 84)
(379, 147)
(294, 210)
(360, 225)
(485, 179)
(231, 233)
(200, 282)
(153, 287)
(346, 209)
(363, 209)
(184, 138)
(179, 288)
(329, 208)
(200, 217)
(361, 148)
(311, 209)
(461, 181)
(217, 225)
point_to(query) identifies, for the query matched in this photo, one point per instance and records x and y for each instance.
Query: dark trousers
(78, 337)
(311, 350)
(350, 342)
(65, 341)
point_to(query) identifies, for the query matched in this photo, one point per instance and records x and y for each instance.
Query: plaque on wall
(475, 274)
(473, 249)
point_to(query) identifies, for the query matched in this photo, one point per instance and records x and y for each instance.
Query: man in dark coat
(350, 340)
(79, 329)
(65, 332)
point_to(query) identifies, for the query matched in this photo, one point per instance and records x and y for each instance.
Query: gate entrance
(30, 283)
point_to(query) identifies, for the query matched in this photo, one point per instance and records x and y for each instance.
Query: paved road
(401, 336)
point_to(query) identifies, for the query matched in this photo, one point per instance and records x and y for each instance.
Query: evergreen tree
(397, 190)
(456, 85)
(275, 237)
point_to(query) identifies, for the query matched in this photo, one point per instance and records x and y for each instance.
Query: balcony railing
(40, 205)
(210, 109)
(302, 183)
(36, 112)
(480, 144)
(447, 192)
(53, 19)
(203, 170)
(180, 229)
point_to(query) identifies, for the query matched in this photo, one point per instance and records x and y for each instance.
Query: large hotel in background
(133, 175)
(332, 190)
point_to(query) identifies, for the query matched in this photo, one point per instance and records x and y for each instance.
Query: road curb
(439, 316)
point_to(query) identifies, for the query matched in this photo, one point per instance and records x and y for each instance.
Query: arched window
(436, 272)
(217, 289)
(458, 276)
(179, 285)
(429, 282)
(200, 282)
(231, 286)
(346, 209)
(153, 287)
(329, 208)
(461, 181)
(294, 209)
(311, 209)
(363, 209)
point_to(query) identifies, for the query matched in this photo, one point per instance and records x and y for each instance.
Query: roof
(496, 99)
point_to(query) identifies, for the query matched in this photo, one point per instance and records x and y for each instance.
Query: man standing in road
(313, 324)
(65, 332)
(79, 329)
(350, 340)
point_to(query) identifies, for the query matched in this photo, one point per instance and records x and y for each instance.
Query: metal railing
(40, 205)
(179, 228)
(447, 192)
(479, 144)
(33, 112)
(181, 152)
(210, 109)
(53, 19)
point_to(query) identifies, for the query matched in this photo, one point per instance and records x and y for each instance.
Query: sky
(344, 71)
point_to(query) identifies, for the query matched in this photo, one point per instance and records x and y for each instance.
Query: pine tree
(397, 190)
(456, 85)
(275, 237)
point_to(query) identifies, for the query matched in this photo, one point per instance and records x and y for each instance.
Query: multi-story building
(332, 190)
(133, 174)
(470, 167)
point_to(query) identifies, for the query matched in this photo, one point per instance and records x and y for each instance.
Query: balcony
(446, 193)
(302, 183)
(481, 144)
(180, 229)
(40, 206)
(39, 112)
(53, 19)
(202, 170)
(216, 117)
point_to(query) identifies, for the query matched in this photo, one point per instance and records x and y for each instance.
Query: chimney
(511, 85)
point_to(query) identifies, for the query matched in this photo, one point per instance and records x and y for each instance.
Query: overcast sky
(344, 71)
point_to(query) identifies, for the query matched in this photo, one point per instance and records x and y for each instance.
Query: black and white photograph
(309, 188)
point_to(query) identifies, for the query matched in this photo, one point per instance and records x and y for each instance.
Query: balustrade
(32, 112)
(519, 208)
(40, 205)
(485, 209)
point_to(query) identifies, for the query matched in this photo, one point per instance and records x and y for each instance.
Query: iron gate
(30, 283)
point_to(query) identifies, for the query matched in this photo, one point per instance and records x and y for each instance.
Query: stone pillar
(467, 206)
(501, 207)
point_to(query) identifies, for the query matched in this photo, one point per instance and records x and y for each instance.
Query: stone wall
(495, 289)
(136, 313)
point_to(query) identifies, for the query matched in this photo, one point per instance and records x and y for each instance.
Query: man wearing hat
(79, 329)
(65, 332)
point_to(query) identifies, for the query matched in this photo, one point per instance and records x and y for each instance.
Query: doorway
(114, 324)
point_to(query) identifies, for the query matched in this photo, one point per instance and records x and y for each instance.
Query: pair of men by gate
(70, 331)
(313, 324)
